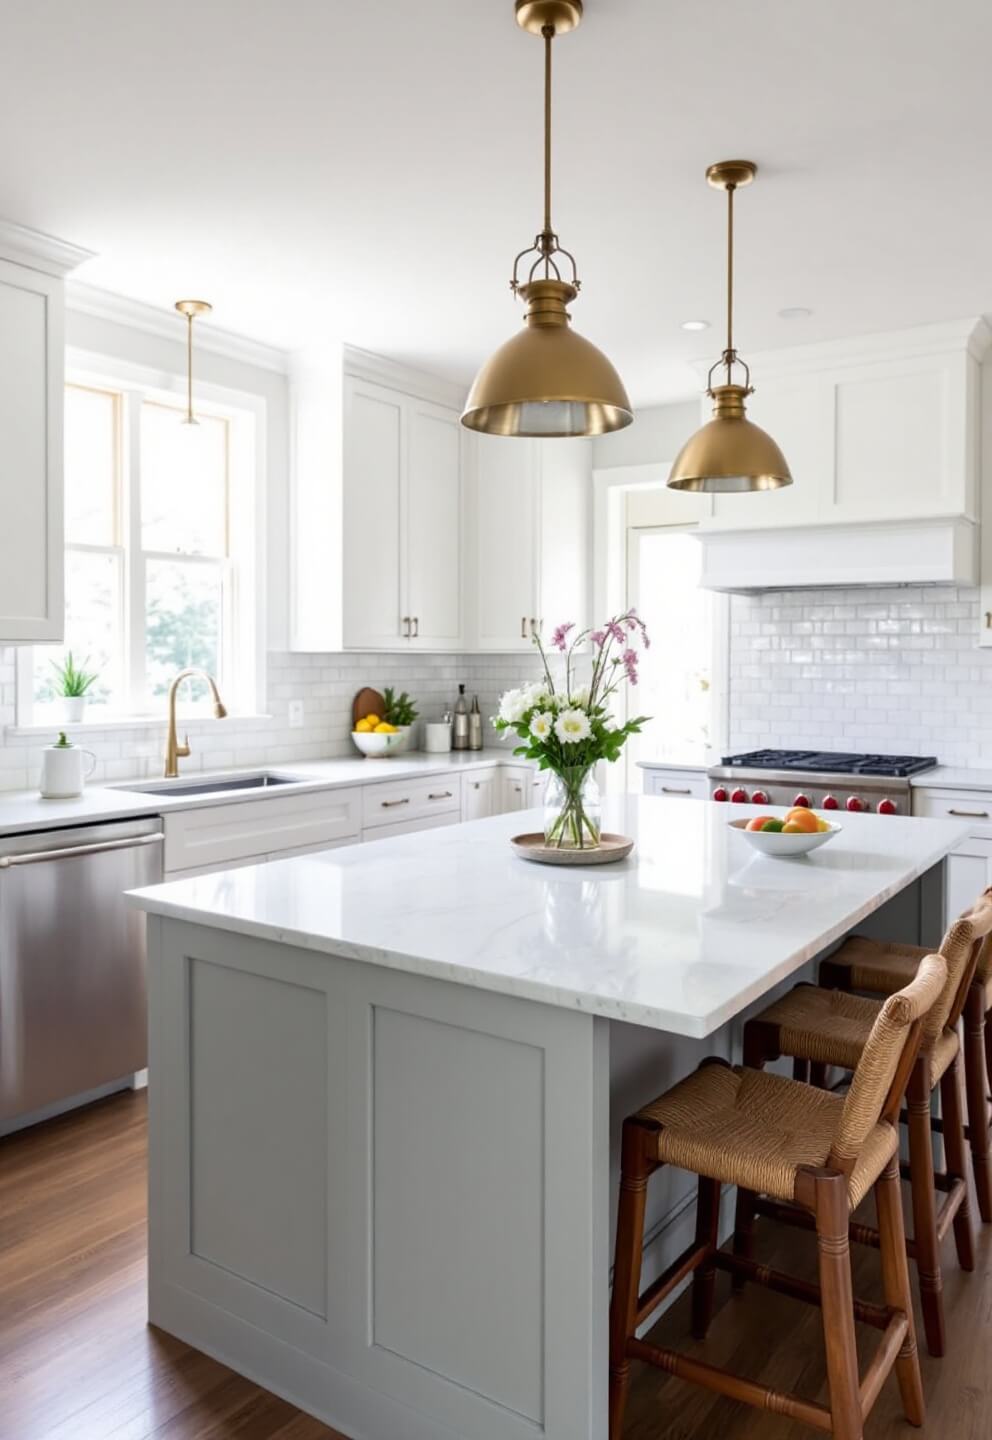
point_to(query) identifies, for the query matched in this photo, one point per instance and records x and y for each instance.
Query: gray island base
(386, 1086)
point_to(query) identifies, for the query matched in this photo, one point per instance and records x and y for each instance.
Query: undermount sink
(263, 780)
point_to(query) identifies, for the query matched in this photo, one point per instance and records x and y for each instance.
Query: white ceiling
(367, 171)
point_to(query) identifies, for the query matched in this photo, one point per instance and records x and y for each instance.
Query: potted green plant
(72, 684)
(400, 711)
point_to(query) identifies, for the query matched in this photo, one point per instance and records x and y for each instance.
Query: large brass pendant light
(547, 381)
(730, 453)
(192, 309)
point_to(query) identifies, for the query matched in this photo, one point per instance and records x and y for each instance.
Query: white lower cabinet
(214, 837)
(522, 787)
(409, 827)
(969, 867)
(481, 795)
(677, 784)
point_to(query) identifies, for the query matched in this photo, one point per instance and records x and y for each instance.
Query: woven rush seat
(875, 965)
(831, 1027)
(755, 1129)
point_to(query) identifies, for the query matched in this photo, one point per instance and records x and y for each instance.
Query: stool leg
(837, 1298)
(975, 1038)
(743, 1231)
(954, 1150)
(988, 1054)
(800, 1070)
(634, 1172)
(895, 1280)
(707, 1233)
(925, 1207)
(818, 1075)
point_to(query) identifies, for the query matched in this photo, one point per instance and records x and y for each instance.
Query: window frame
(243, 638)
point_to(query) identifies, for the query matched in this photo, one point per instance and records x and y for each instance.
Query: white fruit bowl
(378, 745)
(773, 842)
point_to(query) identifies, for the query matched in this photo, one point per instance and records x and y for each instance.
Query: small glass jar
(573, 809)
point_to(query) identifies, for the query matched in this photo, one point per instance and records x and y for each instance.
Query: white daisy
(541, 723)
(572, 726)
(514, 705)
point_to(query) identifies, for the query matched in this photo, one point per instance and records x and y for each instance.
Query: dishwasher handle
(33, 857)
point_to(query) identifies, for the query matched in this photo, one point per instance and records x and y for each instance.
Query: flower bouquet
(568, 727)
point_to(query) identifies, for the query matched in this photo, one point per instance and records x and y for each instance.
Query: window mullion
(134, 564)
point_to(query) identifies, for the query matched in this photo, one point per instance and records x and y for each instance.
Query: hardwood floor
(79, 1362)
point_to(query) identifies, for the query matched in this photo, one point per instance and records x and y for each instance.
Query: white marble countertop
(952, 777)
(682, 936)
(26, 810)
(694, 762)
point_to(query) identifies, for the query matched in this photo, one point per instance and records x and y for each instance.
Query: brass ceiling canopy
(191, 309)
(547, 380)
(730, 454)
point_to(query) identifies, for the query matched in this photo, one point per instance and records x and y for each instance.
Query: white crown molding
(364, 365)
(137, 315)
(971, 336)
(39, 251)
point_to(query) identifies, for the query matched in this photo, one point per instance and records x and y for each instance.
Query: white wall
(658, 433)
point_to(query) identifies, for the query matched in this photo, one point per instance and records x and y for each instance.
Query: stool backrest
(888, 1057)
(962, 948)
(982, 911)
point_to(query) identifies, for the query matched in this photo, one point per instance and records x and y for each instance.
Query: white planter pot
(73, 708)
(406, 734)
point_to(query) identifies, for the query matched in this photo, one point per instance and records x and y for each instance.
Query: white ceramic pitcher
(63, 770)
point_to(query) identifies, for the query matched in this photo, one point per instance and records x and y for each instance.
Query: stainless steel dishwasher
(73, 1012)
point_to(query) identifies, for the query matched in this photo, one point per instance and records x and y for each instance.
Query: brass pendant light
(730, 454)
(191, 309)
(547, 381)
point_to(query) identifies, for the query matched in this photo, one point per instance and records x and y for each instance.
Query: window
(160, 549)
(682, 675)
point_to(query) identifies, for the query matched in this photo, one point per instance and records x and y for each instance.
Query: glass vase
(572, 809)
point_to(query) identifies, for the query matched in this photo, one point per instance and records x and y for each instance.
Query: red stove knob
(830, 802)
(801, 802)
(760, 798)
(887, 807)
(855, 803)
(738, 796)
(720, 794)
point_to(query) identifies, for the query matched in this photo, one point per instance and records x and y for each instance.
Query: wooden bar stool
(825, 1027)
(881, 969)
(777, 1137)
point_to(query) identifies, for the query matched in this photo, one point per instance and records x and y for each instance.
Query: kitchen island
(386, 1083)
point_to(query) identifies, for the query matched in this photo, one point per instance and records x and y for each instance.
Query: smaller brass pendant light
(730, 454)
(547, 381)
(191, 309)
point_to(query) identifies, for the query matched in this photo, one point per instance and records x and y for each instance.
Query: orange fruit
(758, 823)
(792, 827)
(805, 822)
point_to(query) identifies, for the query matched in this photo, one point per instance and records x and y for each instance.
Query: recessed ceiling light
(795, 312)
(695, 324)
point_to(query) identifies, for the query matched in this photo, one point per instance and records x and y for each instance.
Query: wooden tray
(367, 702)
(610, 848)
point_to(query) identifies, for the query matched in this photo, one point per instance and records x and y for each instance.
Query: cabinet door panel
(969, 872)
(564, 532)
(505, 512)
(479, 795)
(373, 484)
(433, 515)
(31, 381)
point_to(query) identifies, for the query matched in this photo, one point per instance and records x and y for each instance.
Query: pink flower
(559, 637)
(616, 630)
(630, 665)
(598, 638)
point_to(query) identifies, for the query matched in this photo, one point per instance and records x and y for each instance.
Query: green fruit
(773, 826)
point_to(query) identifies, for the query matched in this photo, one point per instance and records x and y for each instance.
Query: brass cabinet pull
(440, 795)
(674, 790)
(388, 804)
(406, 622)
(523, 627)
(416, 627)
(970, 814)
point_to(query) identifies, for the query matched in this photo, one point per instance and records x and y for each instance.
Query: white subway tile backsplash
(886, 669)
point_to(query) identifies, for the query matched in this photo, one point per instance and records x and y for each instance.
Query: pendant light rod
(548, 32)
(191, 309)
(730, 281)
(729, 175)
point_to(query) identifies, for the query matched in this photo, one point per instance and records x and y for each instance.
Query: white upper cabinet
(373, 516)
(882, 428)
(31, 405)
(528, 563)
(433, 526)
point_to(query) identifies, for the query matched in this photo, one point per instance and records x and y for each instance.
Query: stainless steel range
(823, 779)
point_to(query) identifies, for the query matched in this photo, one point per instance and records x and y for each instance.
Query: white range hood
(884, 439)
(908, 552)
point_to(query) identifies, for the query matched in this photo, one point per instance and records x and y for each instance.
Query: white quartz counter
(951, 777)
(682, 936)
(27, 810)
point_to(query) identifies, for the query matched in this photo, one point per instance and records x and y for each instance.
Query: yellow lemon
(384, 728)
(363, 727)
(822, 825)
(791, 828)
(372, 720)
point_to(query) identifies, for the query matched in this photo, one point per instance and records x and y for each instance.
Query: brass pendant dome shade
(547, 381)
(730, 454)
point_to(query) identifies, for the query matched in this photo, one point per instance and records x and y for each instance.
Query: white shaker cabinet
(31, 406)
(529, 515)
(402, 521)
(969, 866)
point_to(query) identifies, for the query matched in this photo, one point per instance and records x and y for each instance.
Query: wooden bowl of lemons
(376, 737)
